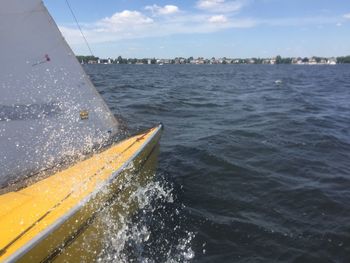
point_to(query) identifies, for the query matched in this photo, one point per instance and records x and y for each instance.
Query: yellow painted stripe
(28, 212)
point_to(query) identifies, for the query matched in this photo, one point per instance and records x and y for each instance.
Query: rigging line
(81, 31)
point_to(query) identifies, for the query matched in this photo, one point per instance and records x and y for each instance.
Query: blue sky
(207, 28)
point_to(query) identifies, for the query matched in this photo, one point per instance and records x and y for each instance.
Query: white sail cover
(49, 109)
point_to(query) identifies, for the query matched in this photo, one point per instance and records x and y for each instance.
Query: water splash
(136, 238)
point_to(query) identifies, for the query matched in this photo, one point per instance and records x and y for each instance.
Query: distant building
(201, 60)
(312, 61)
(332, 61)
(214, 61)
(198, 61)
(251, 61)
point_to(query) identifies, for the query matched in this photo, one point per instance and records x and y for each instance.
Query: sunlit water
(254, 162)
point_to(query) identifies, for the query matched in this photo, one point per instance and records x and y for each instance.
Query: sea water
(254, 162)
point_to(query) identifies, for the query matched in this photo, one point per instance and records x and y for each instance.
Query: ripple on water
(261, 167)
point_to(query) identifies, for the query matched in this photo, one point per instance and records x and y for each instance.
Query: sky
(206, 28)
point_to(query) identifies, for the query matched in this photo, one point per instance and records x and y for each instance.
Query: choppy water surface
(255, 158)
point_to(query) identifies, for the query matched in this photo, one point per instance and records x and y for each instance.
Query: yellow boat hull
(53, 219)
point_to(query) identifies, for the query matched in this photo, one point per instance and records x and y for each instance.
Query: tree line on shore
(224, 60)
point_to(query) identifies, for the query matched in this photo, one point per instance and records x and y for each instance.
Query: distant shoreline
(170, 64)
(202, 61)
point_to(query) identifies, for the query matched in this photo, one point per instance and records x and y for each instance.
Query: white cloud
(134, 24)
(127, 18)
(165, 10)
(347, 16)
(222, 6)
(122, 25)
(207, 4)
(339, 24)
(219, 19)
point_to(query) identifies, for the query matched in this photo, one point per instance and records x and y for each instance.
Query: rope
(81, 31)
